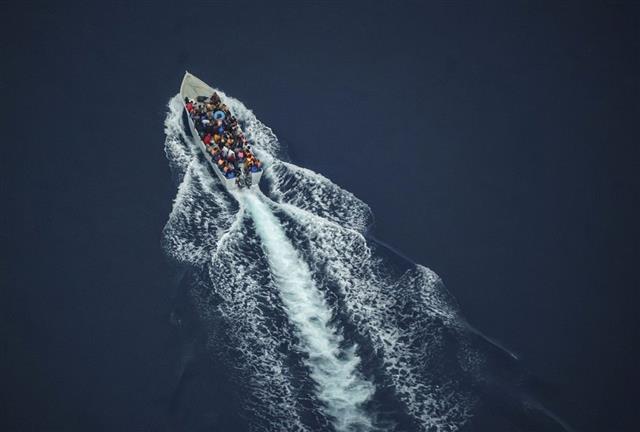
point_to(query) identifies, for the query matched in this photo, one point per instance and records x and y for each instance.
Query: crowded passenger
(222, 136)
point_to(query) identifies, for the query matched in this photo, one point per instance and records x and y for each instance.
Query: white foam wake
(339, 385)
(286, 279)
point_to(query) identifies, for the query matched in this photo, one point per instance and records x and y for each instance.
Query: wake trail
(339, 385)
(275, 270)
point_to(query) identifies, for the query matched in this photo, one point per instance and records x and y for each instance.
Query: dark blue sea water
(494, 145)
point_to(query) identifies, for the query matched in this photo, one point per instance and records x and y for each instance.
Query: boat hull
(193, 87)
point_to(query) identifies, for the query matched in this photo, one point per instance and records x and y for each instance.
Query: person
(222, 137)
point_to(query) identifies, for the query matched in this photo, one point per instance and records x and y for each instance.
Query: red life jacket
(207, 139)
(189, 106)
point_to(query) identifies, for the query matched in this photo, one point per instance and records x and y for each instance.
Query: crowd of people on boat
(222, 136)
